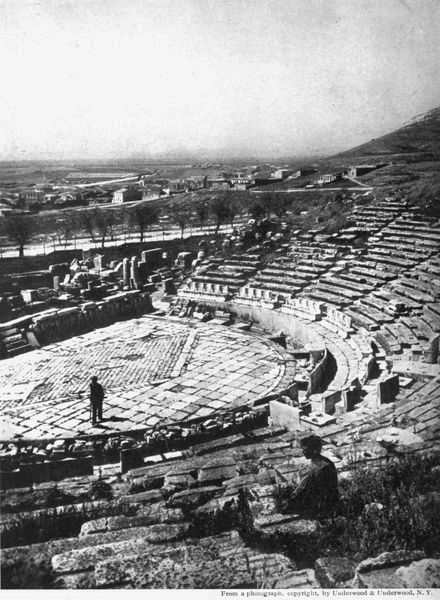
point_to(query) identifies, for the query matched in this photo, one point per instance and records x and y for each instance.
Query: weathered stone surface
(85, 558)
(194, 496)
(142, 497)
(179, 480)
(29, 566)
(263, 501)
(145, 517)
(389, 559)
(95, 526)
(126, 569)
(216, 504)
(420, 574)
(217, 470)
(287, 525)
(164, 515)
(76, 581)
(192, 567)
(333, 572)
(381, 571)
(304, 579)
(378, 578)
(146, 364)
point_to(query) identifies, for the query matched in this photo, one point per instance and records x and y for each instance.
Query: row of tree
(101, 224)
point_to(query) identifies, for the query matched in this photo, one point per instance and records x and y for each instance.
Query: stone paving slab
(152, 369)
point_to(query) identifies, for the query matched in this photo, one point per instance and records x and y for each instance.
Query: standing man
(96, 398)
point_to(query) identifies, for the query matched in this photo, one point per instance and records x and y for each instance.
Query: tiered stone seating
(304, 308)
(202, 290)
(287, 276)
(13, 339)
(420, 406)
(252, 295)
(220, 278)
(373, 217)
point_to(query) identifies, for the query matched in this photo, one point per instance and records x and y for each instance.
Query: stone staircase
(13, 341)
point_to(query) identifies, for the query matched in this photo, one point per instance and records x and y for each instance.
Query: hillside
(420, 135)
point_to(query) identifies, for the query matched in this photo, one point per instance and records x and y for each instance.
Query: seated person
(317, 494)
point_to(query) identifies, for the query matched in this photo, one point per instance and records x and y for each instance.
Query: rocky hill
(420, 135)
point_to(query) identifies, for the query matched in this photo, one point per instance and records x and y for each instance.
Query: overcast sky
(115, 78)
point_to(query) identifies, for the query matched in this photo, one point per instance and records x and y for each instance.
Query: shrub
(386, 509)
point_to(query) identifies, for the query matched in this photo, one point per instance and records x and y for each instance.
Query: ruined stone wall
(56, 325)
(300, 331)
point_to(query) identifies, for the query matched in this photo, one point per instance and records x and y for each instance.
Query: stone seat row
(349, 282)
(295, 283)
(218, 279)
(252, 295)
(427, 291)
(206, 290)
(324, 296)
(361, 276)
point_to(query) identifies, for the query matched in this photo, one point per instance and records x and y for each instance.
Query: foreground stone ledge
(85, 558)
(421, 574)
(381, 571)
(333, 572)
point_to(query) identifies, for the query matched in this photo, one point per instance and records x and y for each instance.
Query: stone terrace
(153, 370)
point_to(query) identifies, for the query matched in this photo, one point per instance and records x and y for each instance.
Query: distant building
(196, 183)
(151, 192)
(325, 178)
(358, 170)
(328, 178)
(303, 172)
(126, 195)
(32, 197)
(219, 184)
(282, 173)
(241, 181)
(174, 185)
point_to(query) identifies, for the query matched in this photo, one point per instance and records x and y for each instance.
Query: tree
(221, 208)
(103, 222)
(202, 211)
(257, 210)
(142, 216)
(182, 217)
(280, 205)
(114, 219)
(65, 228)
(87, 222)
(18, 228)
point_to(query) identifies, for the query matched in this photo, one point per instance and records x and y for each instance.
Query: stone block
(97, 261)
(283, 415)
(52, 471)
(349, 398)
(329, 399)
(387, 390)
(148, 497)
(217, 471)
(333, 572)
(169, 286)
(286, 524)
(303, 579)
(420, 574)
(194, 497)
(380, 571)
(30, 295)
(292, 392)
(130, 459)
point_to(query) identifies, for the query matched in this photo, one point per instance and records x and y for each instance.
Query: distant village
(88, 188)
